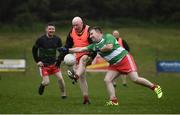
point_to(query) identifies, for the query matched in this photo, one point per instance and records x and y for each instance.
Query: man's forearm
(106, 48)
(77, 49)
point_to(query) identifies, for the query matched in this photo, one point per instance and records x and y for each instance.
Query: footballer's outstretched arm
(107, 47)
(78, 49)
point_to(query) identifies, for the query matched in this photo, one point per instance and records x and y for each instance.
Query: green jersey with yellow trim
(113, 56)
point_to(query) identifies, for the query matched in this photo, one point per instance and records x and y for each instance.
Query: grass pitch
(18, 91)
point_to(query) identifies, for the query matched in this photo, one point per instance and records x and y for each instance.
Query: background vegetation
(26, 12)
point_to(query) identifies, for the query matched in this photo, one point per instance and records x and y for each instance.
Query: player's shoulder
(56, 37)
(41, 37)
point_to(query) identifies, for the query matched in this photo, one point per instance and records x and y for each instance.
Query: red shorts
(79, 55)
(48, 70)
(125, 66)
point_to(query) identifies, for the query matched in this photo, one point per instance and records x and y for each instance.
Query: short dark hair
(96, 28)
(50, 24)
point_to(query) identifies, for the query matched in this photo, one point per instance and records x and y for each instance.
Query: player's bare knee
(107, 80)
(84, 62)
(134, 79)
(60, 78)
(46, 82)
(84, 59)
(134, 76)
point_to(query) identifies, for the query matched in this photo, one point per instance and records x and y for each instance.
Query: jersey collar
(102, 40)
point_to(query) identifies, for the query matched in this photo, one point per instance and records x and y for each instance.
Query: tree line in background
(29, 11)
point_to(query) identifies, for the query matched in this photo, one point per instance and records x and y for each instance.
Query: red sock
(153, 87)
(114, 100)
(86, 97)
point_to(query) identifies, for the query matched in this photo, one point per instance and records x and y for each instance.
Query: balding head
(116, 34)
(77, 23)
(77, 19)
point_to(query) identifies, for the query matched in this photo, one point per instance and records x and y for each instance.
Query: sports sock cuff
(86, 97)
(153, 87)
(114, 100)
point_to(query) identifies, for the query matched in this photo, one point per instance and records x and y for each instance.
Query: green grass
(18, 91)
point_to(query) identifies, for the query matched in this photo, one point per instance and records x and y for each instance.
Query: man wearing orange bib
(79, 37)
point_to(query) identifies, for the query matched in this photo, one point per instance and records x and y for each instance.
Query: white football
(69, 59)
